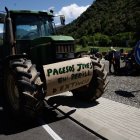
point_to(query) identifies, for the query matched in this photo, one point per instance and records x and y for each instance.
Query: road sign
(137, 52)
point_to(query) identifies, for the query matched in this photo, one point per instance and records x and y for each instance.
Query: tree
(108, 17)
(83, 41)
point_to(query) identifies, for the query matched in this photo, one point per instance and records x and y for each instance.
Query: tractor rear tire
(97, 85)
(22, 88)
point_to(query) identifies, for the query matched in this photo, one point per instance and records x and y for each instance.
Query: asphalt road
(51, 125)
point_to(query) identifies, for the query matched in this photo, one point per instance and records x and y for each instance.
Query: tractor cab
(28, 26)
(34, 33)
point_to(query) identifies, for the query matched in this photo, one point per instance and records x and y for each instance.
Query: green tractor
(35, 63)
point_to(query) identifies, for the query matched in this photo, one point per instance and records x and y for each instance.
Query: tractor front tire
(22, 88)
(97, 85)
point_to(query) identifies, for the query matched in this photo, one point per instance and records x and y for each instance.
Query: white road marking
(50, 131)
(1, 108)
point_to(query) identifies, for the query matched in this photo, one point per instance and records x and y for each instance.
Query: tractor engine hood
(49, 49)
(49, 39)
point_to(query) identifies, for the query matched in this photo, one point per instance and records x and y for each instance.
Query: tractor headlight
(59, 56)
(70, 55)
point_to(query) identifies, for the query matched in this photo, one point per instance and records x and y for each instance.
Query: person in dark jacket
(117, 57)
(111, 59)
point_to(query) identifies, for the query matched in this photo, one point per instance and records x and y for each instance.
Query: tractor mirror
(62, 19)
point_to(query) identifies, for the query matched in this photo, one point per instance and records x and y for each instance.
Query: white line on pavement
(50, 131)
(1, 108)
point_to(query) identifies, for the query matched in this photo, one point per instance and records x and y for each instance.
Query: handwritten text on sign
(68, 69)
(68, 75)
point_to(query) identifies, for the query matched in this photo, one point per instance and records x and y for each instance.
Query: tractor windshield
(33, 26)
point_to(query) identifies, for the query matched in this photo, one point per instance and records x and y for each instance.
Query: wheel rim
(13, 93)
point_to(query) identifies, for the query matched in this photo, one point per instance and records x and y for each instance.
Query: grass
(101, 49)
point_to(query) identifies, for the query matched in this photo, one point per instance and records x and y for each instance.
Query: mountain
(108, 17)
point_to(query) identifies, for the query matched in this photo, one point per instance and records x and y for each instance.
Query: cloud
(1, 30)
(72, 11)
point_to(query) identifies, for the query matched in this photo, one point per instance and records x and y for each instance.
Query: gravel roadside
(123, 89)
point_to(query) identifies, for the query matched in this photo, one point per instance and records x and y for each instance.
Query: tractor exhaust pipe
(9, 28)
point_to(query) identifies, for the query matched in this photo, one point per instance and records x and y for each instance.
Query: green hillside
(108, 17)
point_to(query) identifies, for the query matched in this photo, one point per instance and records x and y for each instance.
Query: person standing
(111, 59)
(117, 56)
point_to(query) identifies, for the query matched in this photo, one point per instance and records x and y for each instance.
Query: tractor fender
(68, 75)
(17, 56)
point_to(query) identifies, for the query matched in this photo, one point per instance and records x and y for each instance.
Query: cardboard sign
(68, 75)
